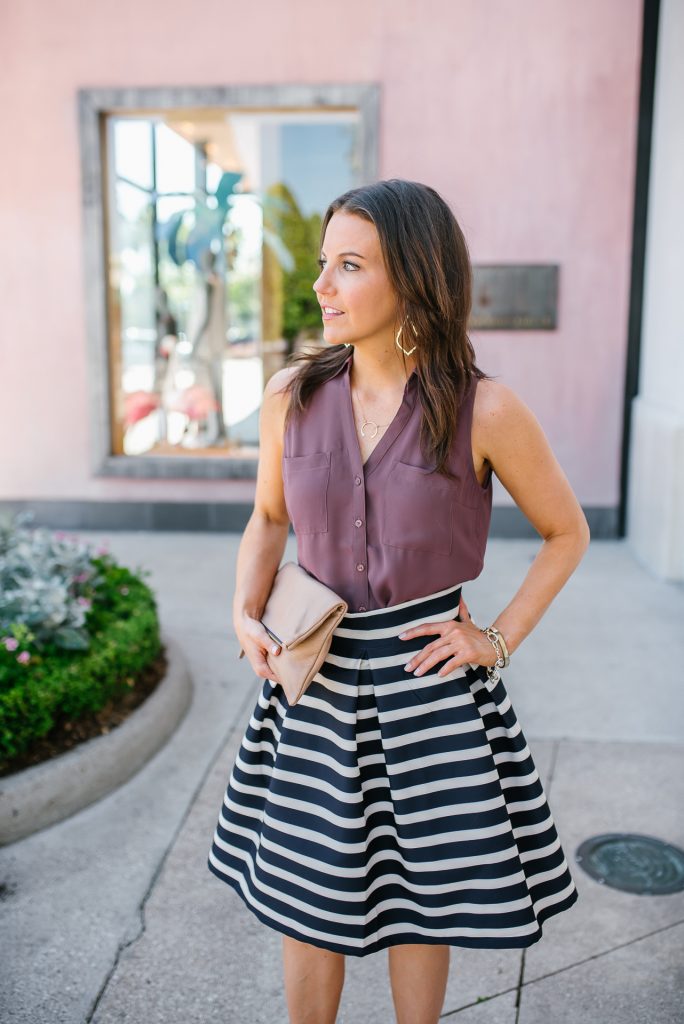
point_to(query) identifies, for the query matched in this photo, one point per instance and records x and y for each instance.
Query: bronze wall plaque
(515, 297)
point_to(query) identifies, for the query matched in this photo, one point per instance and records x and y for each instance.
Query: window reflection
(213, 227)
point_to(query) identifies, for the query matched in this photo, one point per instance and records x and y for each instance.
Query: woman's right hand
(257, 644)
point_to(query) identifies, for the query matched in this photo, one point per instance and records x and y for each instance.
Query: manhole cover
(638, 864)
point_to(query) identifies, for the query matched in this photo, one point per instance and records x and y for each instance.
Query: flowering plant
(56, 594)
(48, 582)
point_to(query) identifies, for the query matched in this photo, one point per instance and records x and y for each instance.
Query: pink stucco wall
(523, 115)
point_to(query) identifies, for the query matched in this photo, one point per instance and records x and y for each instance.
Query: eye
(322, 263)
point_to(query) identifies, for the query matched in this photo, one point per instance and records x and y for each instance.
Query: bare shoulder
(277, 382)
(276, 396)
(496, 402)
(498, 409)
(501, 419)
(508, 436)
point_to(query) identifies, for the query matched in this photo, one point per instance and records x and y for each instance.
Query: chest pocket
(305, 485)
(418, 510)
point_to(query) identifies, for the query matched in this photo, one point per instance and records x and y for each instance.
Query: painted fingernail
(418, 671)
(274, 650)
(402, 636)
(409, 666)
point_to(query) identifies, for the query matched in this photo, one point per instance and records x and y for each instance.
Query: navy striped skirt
(386, 808)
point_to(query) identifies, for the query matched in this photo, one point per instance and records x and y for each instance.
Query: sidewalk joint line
(605, 952)
(561, 970)
(554, 759)
(235, 724)
(478, 1002)
(521, 982)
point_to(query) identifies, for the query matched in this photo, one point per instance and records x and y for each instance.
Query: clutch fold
(301, 614)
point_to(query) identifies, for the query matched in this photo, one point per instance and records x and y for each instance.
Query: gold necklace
(369, 423)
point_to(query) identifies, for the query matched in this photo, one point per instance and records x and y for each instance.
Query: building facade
(161, 208)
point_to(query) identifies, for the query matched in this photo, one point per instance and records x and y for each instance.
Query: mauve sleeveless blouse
(388, 530)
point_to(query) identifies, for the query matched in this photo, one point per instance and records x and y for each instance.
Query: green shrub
(45, 672)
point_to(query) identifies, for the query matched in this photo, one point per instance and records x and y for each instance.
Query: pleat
(386, 808)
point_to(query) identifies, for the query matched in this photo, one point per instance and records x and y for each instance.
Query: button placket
(359, 543)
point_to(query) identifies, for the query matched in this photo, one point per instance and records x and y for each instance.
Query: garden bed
(80, 646)
(68, 733)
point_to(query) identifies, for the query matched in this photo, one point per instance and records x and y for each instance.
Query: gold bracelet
(502, 643)
(503, 660)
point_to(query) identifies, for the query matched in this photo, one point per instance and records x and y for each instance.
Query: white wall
(656, 491)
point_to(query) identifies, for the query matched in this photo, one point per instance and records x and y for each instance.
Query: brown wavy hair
(428, 264)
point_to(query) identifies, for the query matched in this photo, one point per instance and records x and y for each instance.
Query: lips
(329, 312)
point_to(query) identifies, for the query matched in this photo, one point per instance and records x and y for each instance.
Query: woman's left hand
(462, 642)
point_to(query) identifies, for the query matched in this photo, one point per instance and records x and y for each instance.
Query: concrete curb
(32, 799)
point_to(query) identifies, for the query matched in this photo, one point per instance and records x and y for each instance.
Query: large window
(210, 222)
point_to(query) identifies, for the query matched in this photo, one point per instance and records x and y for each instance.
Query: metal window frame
(93, 107)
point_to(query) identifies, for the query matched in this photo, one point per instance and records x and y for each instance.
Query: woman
(396, 805)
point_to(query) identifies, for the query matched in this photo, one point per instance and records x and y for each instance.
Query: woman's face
(354, 281)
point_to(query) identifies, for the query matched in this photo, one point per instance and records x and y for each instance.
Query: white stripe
(323, 732)
(444, 757)
(389, 878)
(528, 805)
(522, 780)
(544, 851)
(297, 779)
(324, 868)
(533, 830)
(386, 632)
(552, 898)
(435, 732)
(324, 706)
(391, 903)
(426, 708)
(460, 782)
(546, 876)
(344, 846)
(400, 793)
(512, 755)
(380, 933)
(433, 815)
(263, 745)
(501, 732)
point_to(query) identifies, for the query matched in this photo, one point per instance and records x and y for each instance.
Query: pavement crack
(521, 982)
(604, 952)
(123, 946)
(542, 977)
(478, 1002)
(552, 767)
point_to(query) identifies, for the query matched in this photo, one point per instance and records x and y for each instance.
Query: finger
(425, 628)
(457, 661)
(419, 656)
(269, 644)
(463, 610)
(426, 658)
(269, 670)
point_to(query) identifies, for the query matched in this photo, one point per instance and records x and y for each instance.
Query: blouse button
(362, 608)
(358, 522)
(360, 567)
(357, 479)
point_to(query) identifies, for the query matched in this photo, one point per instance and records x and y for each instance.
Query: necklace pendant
(368, 423)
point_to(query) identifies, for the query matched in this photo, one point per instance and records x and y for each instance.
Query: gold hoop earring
(397, 342)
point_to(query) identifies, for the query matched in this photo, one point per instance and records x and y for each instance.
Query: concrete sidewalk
(113, 916)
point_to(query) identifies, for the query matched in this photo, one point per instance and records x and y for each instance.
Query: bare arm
(263, 541)
(508, 437)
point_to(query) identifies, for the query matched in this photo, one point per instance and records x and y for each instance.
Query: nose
(322, 285)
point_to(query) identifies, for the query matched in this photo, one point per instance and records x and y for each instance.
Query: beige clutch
(301, 614)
